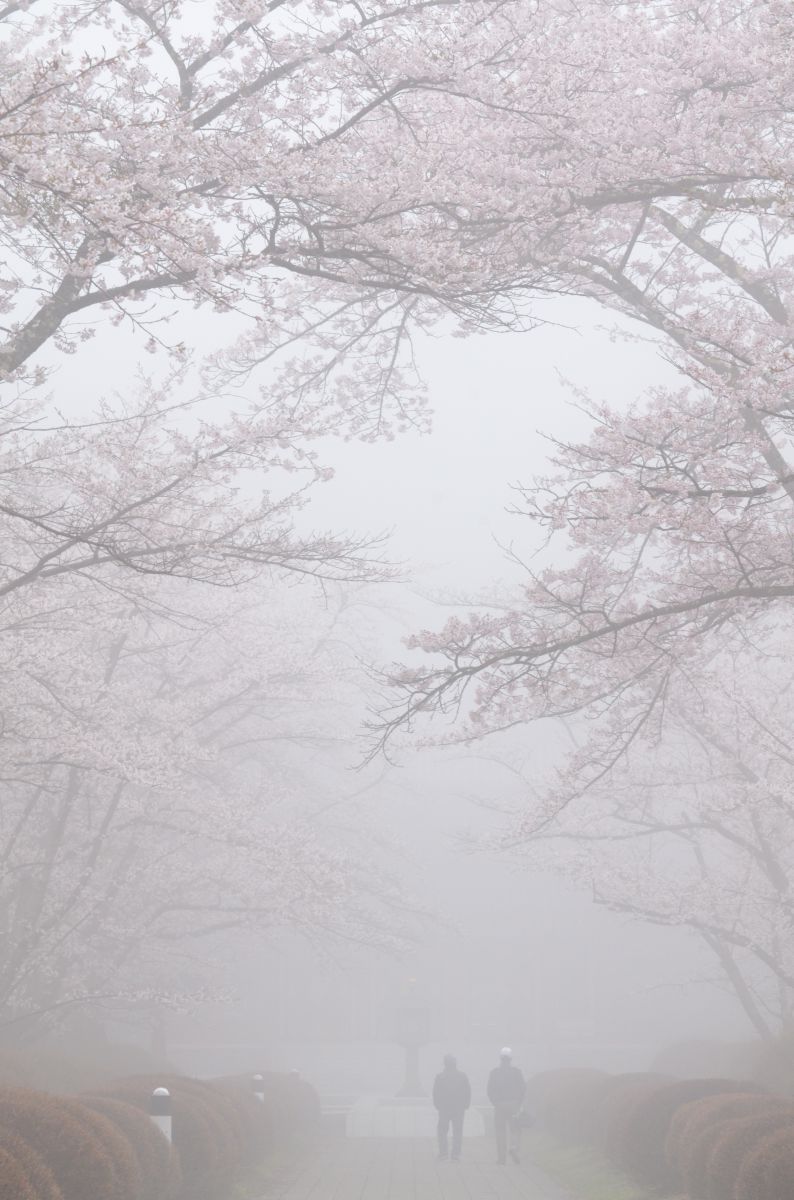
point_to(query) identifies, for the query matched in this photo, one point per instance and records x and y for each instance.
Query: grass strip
(582, 1170)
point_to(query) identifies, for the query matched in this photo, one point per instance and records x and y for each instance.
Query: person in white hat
(506, 1090)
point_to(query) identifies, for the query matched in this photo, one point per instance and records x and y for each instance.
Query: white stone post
(160, 1110)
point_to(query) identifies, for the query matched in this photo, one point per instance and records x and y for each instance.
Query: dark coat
(451, 1091)
(506, 1085)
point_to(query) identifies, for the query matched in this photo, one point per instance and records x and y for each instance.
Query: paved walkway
(406, 1169)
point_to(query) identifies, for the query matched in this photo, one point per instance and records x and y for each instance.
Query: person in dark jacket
(451, 1096)
(506, 1090)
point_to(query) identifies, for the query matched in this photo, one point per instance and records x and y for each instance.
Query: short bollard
(160, 1110)
(259, 1088)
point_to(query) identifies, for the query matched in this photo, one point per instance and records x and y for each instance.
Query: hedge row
(105, 1146)
(715, 1139)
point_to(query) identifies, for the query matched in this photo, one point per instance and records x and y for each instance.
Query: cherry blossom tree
(694, 830)
(153, 807)
(161, 159)
(638, 157)
(336, 174)
(139, 491)
(250, 157)
(649, 147)
(326, 178)
(238, 159)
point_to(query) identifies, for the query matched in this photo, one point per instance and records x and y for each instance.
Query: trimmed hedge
(617, 1095)
(39, 1175)
(208, 1149)
(695, 1129)
(641, 1148)
(104, 1145)
(193, 1138)
(218, 1110)
(256, 1119)
(14, 1181)
(619, 1113)
(767, 1172)
(126, 1171)
(737, 1139)
(722, 1138)
(70, 1146)
(158, 1164)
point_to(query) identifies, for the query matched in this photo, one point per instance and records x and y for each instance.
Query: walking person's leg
(457, 1133)
(515, 1138)
(443, 1129)
(500, 1129)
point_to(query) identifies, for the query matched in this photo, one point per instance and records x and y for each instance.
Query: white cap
(505, 1052)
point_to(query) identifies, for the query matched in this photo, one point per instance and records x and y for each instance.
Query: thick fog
(495, 944)
(500, 950)
(367, 691)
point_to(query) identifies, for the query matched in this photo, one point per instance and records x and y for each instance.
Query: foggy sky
(442, 498)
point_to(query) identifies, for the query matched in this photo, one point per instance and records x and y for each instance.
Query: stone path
(406, 1169)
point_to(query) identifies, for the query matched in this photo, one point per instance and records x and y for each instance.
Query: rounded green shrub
(641, 1151)
(38, 1174)
(157, 1161)
(198, 1137)
(78, 1158)
(293, 1101)
(767, 1172)
(129, 1180)
(253, 1117)
(607, 1097)
(736, 1140)
(217, 1111)
(695, 1128)
(618, 1111)
(15, 1183)
(223, 1114)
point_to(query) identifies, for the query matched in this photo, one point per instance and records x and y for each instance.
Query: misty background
(498, 950)
(396, 545)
